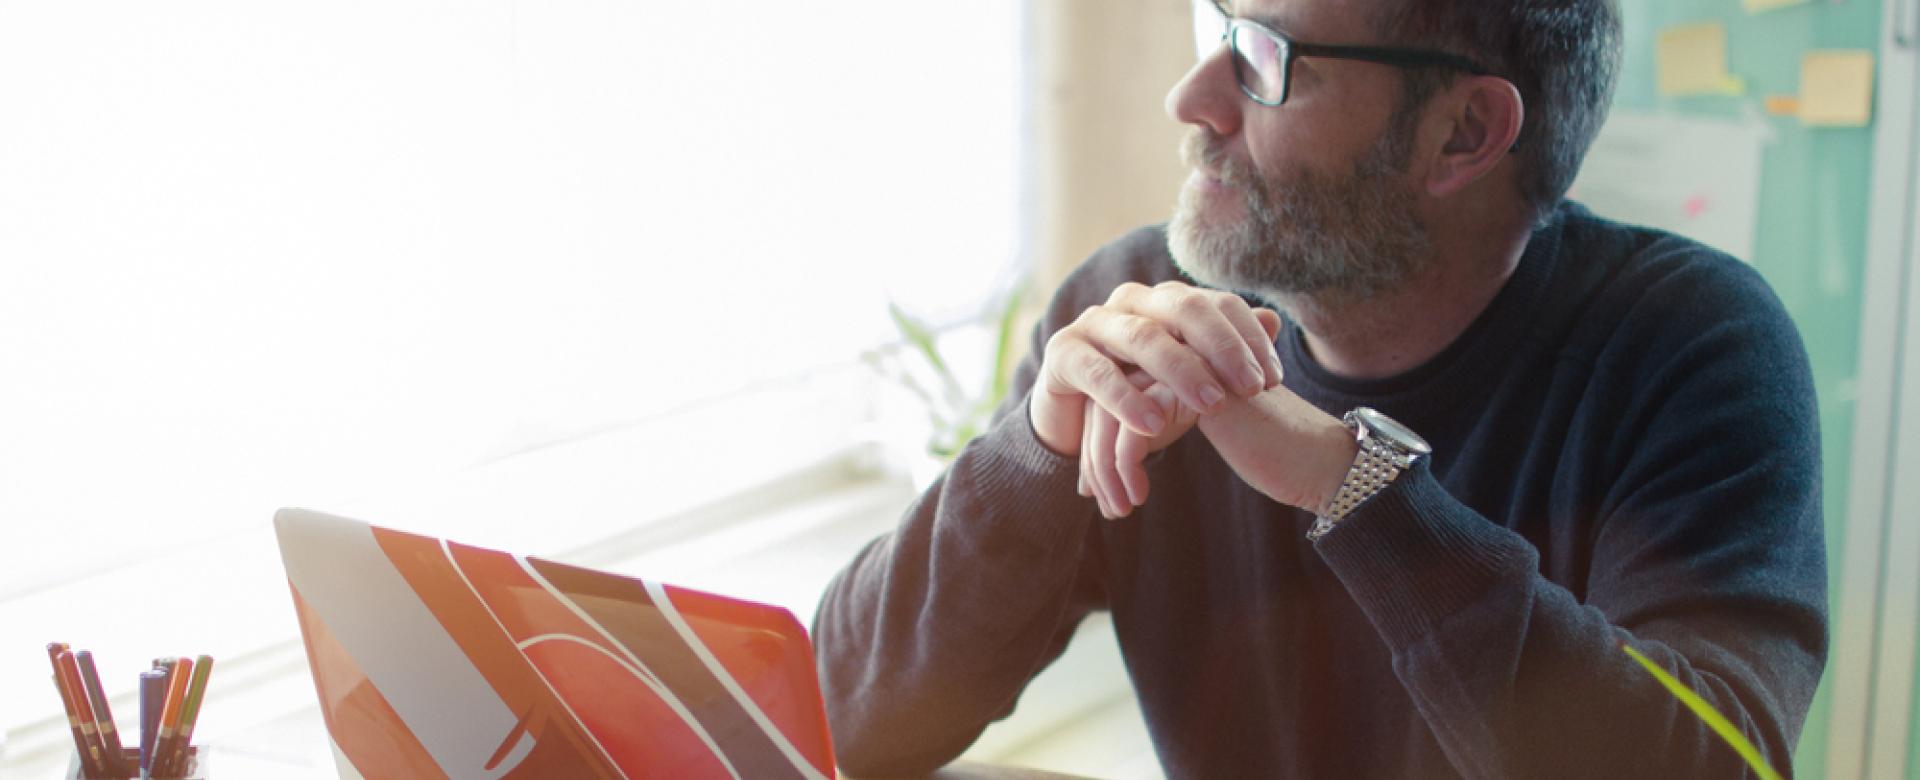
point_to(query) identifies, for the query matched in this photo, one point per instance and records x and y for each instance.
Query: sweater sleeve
(1707, 556)
(934, 629)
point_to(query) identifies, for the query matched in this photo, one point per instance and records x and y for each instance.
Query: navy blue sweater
(1625, 451)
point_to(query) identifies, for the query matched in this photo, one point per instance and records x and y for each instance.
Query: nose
(1208, 95)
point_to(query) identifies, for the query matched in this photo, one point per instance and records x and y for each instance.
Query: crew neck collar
(1474, 356)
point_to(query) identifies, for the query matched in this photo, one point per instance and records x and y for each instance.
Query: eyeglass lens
(1260, 61)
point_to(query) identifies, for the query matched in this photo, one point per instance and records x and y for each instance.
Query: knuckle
(1190, 362)
(1068, 336)
(1101, 453)
(1227, 346)
(1063, 354)
(1057, 341)
(1096, 369)
(1194, 304)
(1125, 292)
(1230, 303)
(1085, 318)
(1103, 464)
(1139, 332)
(1142, 407)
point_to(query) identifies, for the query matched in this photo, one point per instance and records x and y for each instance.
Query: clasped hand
(1129, 377)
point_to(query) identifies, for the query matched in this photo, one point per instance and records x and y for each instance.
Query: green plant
(956, 414)
(1706, 712)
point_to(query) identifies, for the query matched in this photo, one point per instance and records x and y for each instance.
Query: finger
(1254, 333)
(1088, 471)
(1103, 431)
(1142, 380)
(1270, 327)
(1130, 455)
(1086, 485)
(1264, 362)
(1131, 450)
(1269, 322)
(1075, 365)
(1218, 325)
(1145, 342)
(1087, 439)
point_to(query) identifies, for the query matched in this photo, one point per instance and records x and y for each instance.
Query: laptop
(438, 659)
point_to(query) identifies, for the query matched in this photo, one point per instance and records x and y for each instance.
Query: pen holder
(196, 766)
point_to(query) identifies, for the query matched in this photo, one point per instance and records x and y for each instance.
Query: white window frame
(1879, 586)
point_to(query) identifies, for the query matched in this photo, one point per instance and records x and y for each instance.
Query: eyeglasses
(1263, 59)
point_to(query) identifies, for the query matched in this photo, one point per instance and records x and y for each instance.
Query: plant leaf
(927, 343)
(920, 336)
(1707, 713)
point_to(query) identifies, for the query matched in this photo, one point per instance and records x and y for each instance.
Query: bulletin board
(1804, 228)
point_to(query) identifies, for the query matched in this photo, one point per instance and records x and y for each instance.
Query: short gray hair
(1562, 55)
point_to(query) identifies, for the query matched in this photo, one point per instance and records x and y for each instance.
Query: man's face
(1311, 198)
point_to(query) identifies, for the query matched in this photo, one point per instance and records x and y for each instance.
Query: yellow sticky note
(1691, 59)
(1836, 88)
(1756, 6)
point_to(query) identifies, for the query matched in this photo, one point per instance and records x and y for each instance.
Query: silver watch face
(1395, 433)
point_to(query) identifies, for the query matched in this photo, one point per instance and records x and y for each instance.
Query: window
(353, 255)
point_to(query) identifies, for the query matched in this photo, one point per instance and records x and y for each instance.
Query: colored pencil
(91, 756)
(183, 736)
(114, 757)
(81, 745)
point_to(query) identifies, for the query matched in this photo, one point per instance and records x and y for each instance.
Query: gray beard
(1313, 238)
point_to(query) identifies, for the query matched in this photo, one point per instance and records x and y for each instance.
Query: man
(1494, 439)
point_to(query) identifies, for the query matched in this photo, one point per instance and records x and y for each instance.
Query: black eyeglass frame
(1386, 55)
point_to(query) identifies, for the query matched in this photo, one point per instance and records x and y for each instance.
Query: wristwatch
(1387, 448)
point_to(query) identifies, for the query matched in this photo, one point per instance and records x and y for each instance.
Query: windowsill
(763, 497)
(591, 501)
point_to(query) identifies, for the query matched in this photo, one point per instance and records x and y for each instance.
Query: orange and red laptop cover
(437, 659)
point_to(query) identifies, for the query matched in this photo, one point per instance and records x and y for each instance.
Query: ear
(1483, 125)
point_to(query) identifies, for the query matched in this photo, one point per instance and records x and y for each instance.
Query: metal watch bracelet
(1375, 466)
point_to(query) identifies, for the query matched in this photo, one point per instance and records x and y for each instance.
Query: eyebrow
(1269, 22)
(1264, 20)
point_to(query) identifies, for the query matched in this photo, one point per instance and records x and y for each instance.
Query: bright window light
(267, 254)
(264, 254)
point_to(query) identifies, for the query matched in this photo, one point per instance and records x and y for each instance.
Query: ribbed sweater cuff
(1412, 556)
(1033, 486)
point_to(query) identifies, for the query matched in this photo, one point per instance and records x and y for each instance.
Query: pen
(114, 756)
(153, 692)
(170, 715)
(196, 693)
(91, 759)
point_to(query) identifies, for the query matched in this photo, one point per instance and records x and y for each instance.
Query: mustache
(1206, 150)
